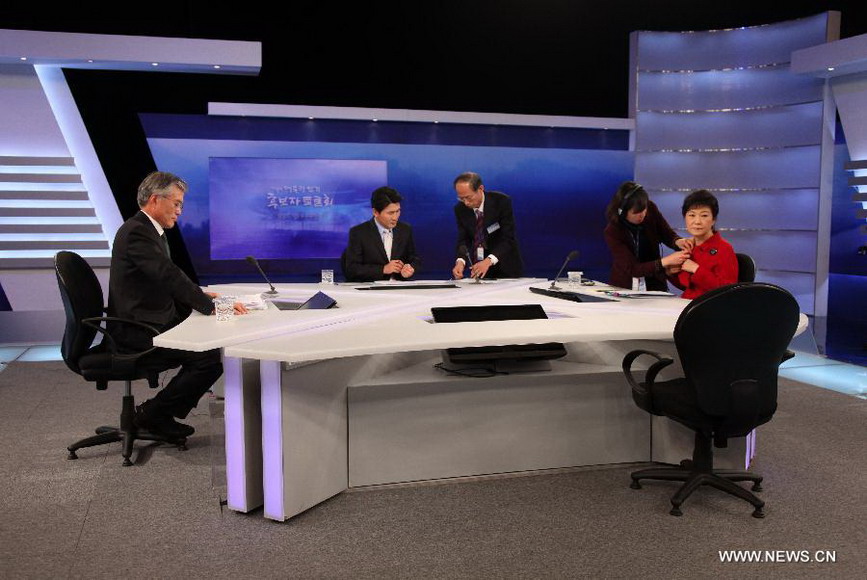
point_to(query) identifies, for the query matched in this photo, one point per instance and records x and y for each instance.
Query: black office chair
(731, 342)
(343, 265)
(746, 268)
(82, 300)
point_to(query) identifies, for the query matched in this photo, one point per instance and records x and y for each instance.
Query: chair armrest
(662, 361)
(96, 321)
(787, 355)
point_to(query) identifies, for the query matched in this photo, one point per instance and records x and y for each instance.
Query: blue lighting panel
(559, 194)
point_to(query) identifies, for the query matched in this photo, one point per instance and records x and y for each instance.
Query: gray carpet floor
(163, 517)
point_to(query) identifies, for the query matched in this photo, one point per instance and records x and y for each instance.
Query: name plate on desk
(571, 296)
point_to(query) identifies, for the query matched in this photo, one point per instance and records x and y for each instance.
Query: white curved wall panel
(795, 167)
(721, 110)
(730, 89)
(790, 251)
(762, 128)
(717, 49)
(786, 209)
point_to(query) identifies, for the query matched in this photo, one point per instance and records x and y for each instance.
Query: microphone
(572, 255)
(465, 254)
(255, 262)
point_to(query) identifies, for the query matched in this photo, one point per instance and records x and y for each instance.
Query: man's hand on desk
(407, 271)
(479, 269)
(239, 308)
(458, 270)
(393, 267)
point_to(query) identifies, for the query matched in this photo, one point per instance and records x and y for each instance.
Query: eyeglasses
(177, 203)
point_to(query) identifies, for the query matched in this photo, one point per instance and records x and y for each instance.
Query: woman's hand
(675, 259)
(685, 244)
(689, 266)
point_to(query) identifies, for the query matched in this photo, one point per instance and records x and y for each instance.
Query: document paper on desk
(252, 301)
(638, 293)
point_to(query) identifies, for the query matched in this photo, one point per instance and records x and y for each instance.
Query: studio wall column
(721, 110)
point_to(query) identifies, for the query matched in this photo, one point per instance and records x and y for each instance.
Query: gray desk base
(361, 421)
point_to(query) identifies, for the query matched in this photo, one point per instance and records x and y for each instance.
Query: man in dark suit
(486, 231)
(381, 248)
(147, 287)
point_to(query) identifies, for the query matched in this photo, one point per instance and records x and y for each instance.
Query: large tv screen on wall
(278, 209)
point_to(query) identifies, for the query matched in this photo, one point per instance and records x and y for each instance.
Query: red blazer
(718, 266)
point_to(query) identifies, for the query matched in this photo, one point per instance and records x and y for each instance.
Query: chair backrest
(82, 298)
(731, 342)
(746, 268)
(343, 265)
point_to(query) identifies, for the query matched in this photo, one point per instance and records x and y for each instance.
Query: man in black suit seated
(146, 286)
(381, 248)
(486, 231)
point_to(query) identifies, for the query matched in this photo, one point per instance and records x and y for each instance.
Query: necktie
(165, 243)
(479, 236)
(387, 240)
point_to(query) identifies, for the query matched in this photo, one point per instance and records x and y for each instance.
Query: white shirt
(160, 230)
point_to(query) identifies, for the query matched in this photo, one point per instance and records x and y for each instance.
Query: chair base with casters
(698, 472)
(127, 432)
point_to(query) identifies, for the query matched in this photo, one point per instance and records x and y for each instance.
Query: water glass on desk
(575, 280)
(327, 277)
(224, 308)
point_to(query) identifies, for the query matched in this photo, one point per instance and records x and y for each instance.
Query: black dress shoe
(160, 424)
(187, 430)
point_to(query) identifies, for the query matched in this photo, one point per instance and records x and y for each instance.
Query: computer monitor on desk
(500, 358)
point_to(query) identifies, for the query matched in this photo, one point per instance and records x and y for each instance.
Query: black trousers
(199, 370)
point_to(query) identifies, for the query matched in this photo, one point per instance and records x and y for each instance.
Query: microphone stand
(572, 255)
(255, 262)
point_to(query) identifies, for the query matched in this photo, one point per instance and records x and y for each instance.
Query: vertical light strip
(272, 439)
(826, 202)
(236, 479)
(78, 141)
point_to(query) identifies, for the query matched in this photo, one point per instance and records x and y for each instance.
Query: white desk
(319, 401)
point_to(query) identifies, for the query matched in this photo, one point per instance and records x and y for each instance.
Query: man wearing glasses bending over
(486, 231)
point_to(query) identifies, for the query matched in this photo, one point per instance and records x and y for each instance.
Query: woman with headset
(633, 234)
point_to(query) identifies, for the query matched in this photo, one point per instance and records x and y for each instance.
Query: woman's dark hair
(700, 198)
(629, 196)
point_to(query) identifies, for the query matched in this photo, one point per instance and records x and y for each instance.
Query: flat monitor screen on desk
(509, 357)
(319, 301)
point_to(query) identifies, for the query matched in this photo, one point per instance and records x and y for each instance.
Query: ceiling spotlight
(830, 68)
(23, 58)
(216, 66)
(155, 64)
(311, 118)
(375, 120)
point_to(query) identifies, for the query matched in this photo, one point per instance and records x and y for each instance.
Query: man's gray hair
(473, 179)
(158, 183)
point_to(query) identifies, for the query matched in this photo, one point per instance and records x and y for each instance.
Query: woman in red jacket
(633, 234)
(713, 262)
